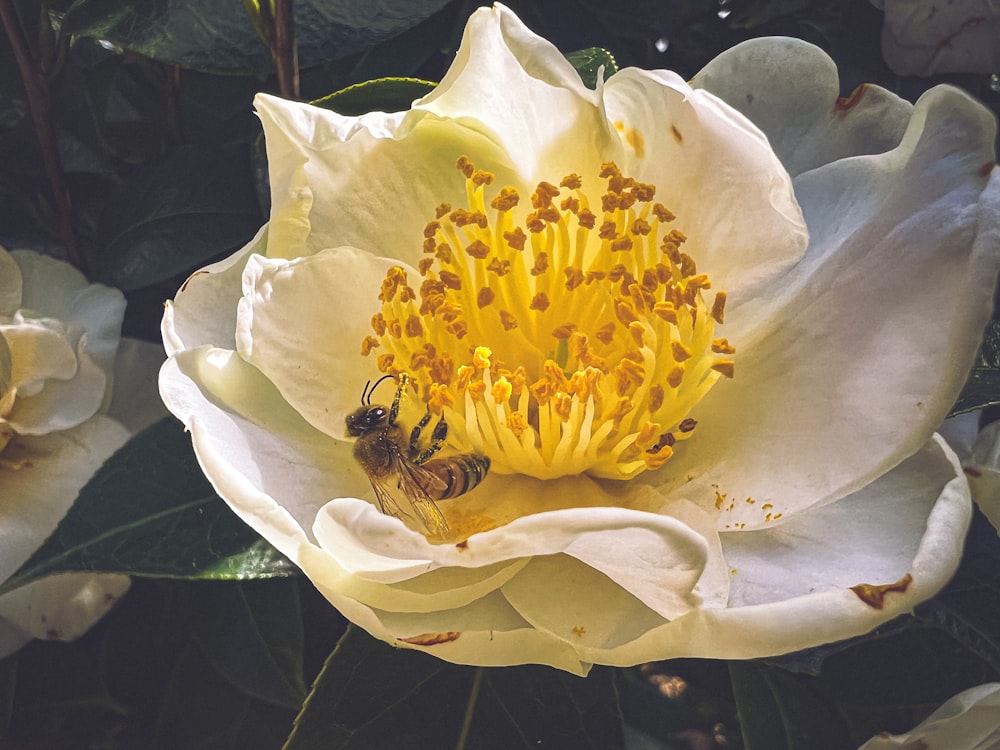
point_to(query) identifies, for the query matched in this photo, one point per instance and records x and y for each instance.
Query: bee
(386, 455)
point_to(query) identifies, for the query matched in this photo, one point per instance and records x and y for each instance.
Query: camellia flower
(59, 355)
(925, 37)
(979, 452)
(703, 345)
(967, 721)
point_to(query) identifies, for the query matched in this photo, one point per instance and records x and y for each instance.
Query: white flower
(709, 417)
(59, 352)
(967, 721)
(925, 37)
(979, 451)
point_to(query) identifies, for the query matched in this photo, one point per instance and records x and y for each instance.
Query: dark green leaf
(149, 511)
(383, 95)
(217, 35)
(370, 696)
(57, 678)
(252, 634)
(201, 711)
(164, 665)
(589, 61)
(175, 215)
(983, 386)
(780, 710)
(426, 47)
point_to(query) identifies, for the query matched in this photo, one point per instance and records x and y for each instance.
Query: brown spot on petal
(579, 631)
(972, 472)
(187, 281)
(988, 167)
(462, 546)
(431, 639)
(874, 596)
(677, 134)
(846, 103)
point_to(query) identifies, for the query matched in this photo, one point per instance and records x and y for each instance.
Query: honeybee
(386, 454)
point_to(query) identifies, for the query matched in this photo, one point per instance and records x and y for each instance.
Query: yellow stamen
(551, 338)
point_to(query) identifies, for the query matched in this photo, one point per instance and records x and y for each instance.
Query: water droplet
(110, 46)
(995, 83)
(662, 43)
(724, 14)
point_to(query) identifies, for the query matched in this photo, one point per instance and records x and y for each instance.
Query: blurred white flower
(59, 353)
(979, 452)
(968, 721)
(926, 37)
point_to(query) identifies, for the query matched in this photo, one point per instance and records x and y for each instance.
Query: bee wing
(386, 503)
(417, 483)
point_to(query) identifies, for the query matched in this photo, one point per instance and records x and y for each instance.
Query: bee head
(365, 419)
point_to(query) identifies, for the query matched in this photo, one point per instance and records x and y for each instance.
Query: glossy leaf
(588, 63)
(383, 95)
(251, 633)
(201, 711)
(780, 710)
(218, 35)
(370, 696)
(149, 511)
(177, 214)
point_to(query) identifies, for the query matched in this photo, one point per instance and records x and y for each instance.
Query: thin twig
(37, 88)
(284, 51)
(172, 75)
(470, 707)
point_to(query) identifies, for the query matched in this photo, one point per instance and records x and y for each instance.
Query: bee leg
(438, 437)
(404, 380)
(415, 433)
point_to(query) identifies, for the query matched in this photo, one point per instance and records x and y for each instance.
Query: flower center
(565, 340)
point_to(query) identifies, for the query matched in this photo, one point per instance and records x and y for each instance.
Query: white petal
(655, 558)
(778, 610)
(967, 721)
(273, 469)
(368, 200)
(859, 332)
(308, 349)
(61, 607)
(789, 89)
(925, 38)
(37, 495)
(55, 289)
(983, 471)
(717, 172)
(35, 498)
(535, 106)
(66, 387)
(136, 401)
(489, 631)
(872, 536)
(203, 312)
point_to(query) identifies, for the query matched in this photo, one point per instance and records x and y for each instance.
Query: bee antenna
(369, 389)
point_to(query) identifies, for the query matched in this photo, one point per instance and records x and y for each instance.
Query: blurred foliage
(152, 106)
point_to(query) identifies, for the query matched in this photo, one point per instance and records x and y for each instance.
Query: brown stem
(173, 83)
(284, 52)
(37, 88)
